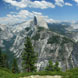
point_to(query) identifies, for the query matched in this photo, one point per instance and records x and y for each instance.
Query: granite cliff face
(40, 22)
(48, 44)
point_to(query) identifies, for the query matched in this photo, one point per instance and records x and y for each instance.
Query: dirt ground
(37, 76)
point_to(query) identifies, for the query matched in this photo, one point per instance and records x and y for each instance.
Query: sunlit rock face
(5, 34)
(40, 22)
(48, 44)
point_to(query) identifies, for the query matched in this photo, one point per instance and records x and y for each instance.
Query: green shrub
(27, 29)
(30, 33)
(54, 39)
(72, 73)
(40, 29)
(36, 37)
(66, 40)
(5, 73)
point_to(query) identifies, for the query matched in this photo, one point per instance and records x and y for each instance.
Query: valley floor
(37, 76)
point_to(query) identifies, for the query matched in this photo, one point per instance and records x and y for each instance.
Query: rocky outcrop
(40, 22)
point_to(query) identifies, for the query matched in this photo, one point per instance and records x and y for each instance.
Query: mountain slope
(65, 28)
(48, 44)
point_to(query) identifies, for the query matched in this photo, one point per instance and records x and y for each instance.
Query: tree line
(29, 60)
(4, 62)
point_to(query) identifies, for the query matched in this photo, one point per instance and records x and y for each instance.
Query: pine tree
(15, 66)
(50, 66)
(4, 61)
(56, 67)
(29, 56)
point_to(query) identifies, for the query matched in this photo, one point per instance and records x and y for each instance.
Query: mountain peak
(39, 21)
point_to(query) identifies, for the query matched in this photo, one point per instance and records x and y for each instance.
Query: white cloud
(28, 3)
(37, 13)
(15, 3)
(76, 1)
(50, 20)
(42, 4)
(68, 4)
(22, 15)
(59, 3)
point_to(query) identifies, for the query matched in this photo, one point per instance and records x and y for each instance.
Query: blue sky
(51, 10)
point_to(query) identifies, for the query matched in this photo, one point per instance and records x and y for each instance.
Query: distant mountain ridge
(49, 44)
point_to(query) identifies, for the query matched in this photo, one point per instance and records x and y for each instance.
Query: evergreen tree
(15, 66)
(56, 67)
(5, 61)
(50, 66)
(29, 57)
